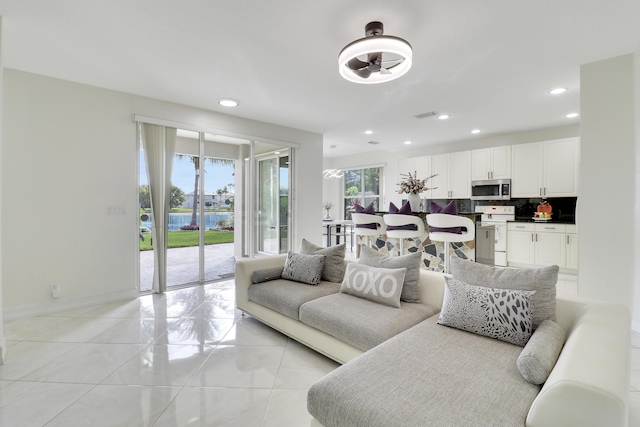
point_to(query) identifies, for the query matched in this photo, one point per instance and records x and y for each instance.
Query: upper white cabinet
(491, 163)
(422, 168)
(545, 169)
(453, 172)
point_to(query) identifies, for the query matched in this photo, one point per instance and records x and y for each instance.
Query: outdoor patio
(183, 265)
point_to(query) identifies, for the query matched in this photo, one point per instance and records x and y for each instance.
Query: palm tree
(196, 164)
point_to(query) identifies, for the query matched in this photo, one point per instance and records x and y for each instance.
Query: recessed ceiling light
(558, 90)
(572, 115)
(476, 131)
(276, 152)
(443, 116)
(368, 132)
(407, 142)
(228, 102)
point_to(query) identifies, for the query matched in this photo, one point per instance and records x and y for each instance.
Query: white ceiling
(488, 63)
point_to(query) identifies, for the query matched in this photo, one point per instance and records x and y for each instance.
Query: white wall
(70, 152)
(3, 346)
(332, 191)
(608, 176)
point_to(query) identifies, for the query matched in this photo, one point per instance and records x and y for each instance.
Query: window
(362, 186)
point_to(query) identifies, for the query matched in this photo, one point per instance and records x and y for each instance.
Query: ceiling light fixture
(572, 115)
(558, 90)
(476, 131)
(368, 132)
(375, 58)
(228, 102)
(407, 142)
(444, 116)
(332, 173)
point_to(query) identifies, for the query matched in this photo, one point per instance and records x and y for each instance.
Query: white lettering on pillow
(381, 285)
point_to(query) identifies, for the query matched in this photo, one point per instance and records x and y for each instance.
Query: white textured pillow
(539, 356)
(303, 268)
(381, 285)
(503, 314)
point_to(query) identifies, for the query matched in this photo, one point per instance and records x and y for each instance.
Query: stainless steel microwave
(491, 189)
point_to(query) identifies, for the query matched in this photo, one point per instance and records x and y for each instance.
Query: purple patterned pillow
(368, 210)
(449, 209)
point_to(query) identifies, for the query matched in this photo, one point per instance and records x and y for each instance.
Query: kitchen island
(432, 252)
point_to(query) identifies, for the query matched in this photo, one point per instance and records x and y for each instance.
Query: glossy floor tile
(184, 358)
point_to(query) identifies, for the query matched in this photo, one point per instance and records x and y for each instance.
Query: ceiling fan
(375, 58)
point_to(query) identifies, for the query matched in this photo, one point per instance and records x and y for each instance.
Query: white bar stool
(450, 221)
(365, 219)
(400, 220)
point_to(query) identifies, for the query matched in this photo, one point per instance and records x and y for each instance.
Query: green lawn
(181, 239)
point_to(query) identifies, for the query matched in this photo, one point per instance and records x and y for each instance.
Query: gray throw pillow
(411, 287)
(381, 285)
(502, 314)
(266, 274)
(303, 268)
(333, 270)
(539, 356)
(542, 280)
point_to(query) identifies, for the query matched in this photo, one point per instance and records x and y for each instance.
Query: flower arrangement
(327, 205)
(410, 184)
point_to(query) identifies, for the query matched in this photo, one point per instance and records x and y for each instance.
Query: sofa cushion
(266, 274)
(381, 285)
(539, 356)
(502, 314)
(428, 375)
(286, 296)
(333, 269)
(542, 280)
(360, 322)
(303, 268)
(411, 287)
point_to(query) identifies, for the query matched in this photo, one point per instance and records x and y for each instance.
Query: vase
(327, 215)
(414, 201)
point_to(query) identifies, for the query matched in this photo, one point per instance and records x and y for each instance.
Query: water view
(177, 220)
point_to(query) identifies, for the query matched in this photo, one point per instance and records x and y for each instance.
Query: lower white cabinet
(571, 255)
(542, 244)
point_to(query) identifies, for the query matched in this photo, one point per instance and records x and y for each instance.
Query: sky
(183, 175)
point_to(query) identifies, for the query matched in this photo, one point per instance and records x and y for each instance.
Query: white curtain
(159, 144)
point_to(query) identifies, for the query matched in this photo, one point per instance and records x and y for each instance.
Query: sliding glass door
(273, 202)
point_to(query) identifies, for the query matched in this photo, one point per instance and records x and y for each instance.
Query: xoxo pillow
(381, 285)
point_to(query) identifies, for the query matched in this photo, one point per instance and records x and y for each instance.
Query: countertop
(552, 221)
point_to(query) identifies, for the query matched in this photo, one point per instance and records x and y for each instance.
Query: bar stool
(450, 221)
(412, 227)
(364, 227)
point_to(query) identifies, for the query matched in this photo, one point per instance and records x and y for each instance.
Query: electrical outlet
(55, 289)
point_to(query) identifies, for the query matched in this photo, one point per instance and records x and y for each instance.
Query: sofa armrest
(244, 272)
(589, 385)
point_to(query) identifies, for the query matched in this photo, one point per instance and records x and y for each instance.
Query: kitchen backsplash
(564, 208)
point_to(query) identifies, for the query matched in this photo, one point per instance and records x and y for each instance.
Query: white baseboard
(13, 313)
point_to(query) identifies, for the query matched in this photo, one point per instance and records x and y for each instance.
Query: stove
(494, 218)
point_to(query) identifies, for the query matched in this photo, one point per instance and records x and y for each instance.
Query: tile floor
(186, 358)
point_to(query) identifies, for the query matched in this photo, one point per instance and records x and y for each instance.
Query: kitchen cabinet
(453, 175)
(520, 243)
(542, 244)
(545, 169)
(491, 163)
(420, 165)
(571, 253)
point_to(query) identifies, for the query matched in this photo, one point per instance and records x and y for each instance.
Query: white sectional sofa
(428, 374)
